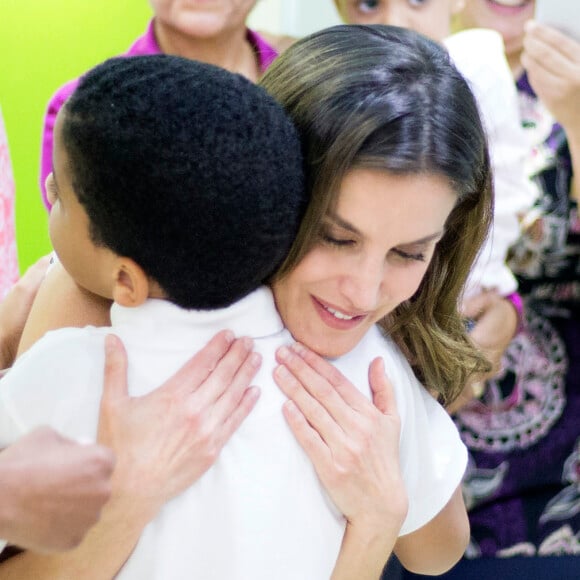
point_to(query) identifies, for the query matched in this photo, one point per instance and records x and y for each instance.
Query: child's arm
(98, 557)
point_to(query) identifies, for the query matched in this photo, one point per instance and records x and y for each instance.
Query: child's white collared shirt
(260, 511)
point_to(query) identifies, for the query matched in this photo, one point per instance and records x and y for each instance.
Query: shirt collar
(255, 316)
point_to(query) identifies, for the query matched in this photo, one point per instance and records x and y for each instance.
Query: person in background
(215, 33)
(8, 257)
(523, 483)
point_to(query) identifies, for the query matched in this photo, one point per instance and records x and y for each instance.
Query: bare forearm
(362, 555)
(438, 545)
(5, 356)
(574, 145)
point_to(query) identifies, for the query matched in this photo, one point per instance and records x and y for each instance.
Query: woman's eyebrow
(337, 220)
(425, 240)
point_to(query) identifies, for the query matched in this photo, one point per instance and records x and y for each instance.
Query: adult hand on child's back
(167, 439)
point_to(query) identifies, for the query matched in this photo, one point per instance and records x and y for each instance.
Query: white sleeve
(433, 457)
(58, 383)
(440, 462)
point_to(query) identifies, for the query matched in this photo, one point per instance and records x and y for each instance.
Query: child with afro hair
(177, 189)
(193, 174)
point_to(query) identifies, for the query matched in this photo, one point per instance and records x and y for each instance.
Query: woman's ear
(131, 286)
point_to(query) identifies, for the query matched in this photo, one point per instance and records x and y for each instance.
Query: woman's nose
(364, 287)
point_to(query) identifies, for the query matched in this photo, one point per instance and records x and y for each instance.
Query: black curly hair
(193, 172)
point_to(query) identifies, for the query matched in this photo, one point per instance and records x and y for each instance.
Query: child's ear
(131, 287)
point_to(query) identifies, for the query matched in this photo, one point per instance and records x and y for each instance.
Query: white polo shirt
(259, 512)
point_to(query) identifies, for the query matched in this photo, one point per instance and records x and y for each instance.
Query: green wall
(44, 43)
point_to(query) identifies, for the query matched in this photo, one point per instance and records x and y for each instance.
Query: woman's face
(373, 253)
(202, 18)
(429, 17)
(506, 16)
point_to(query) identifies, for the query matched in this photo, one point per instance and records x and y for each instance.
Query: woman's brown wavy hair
(387, 98)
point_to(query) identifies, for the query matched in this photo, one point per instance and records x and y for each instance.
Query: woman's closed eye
(414, 256)
(343, 242)
(337, 241)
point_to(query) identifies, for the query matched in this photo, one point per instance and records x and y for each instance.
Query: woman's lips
(335, 317)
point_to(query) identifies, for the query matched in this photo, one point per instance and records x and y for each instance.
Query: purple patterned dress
(523, 481)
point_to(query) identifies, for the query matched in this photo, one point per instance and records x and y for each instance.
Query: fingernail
(247, 342)
(382, 365)
(229, 336)
(284, 353)
(282, 372)
(110, 343)
(255, 359)
(253, 392)
(298, 348)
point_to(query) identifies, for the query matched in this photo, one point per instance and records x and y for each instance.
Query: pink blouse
(8, 256)
(145, 44)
